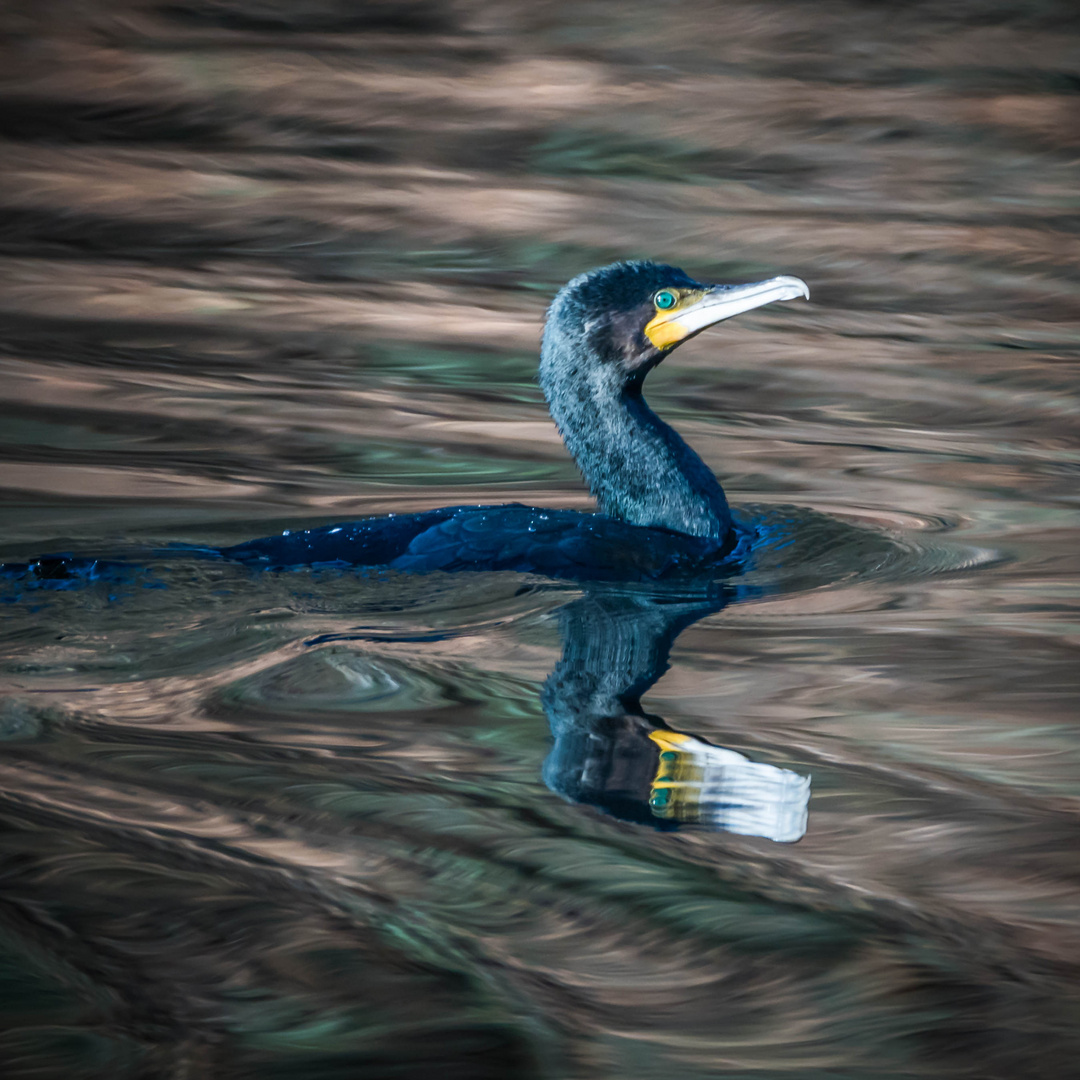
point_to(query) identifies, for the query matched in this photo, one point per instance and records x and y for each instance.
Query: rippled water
(267, 265)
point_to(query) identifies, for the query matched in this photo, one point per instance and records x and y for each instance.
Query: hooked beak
(720, 302)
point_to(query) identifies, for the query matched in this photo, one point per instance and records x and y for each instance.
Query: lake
(267, 266)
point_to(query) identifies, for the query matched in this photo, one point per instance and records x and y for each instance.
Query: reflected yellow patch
(669, 795)
(671, 740)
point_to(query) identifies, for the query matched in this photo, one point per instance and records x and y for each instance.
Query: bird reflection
(611, 754)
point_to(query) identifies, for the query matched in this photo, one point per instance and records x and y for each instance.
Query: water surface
(263, 270)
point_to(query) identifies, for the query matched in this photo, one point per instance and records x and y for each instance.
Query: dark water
(267, 265)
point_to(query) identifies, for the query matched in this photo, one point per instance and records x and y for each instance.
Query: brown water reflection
(266, 264)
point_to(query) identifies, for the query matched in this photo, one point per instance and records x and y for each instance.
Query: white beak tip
(794, 288)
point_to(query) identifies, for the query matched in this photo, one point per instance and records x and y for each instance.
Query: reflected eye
(665, 299)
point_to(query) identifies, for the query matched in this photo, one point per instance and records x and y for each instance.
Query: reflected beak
(669, 328)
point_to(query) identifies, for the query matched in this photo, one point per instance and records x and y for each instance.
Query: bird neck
(638, 468)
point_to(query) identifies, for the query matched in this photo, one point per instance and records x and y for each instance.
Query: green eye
(665, 299)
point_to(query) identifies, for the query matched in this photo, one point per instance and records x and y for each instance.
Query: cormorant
(661, 510)
(661, 513)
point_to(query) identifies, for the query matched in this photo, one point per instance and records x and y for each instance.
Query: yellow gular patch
(664, 330)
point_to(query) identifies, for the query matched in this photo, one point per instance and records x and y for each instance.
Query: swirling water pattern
(267, 264)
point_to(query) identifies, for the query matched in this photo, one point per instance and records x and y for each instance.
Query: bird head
(628, 316)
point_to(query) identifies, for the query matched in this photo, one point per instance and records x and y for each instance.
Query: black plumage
(558, 543)
(593, 362)
(661, 510)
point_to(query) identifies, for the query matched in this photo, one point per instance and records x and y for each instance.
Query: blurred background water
(268, 264)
